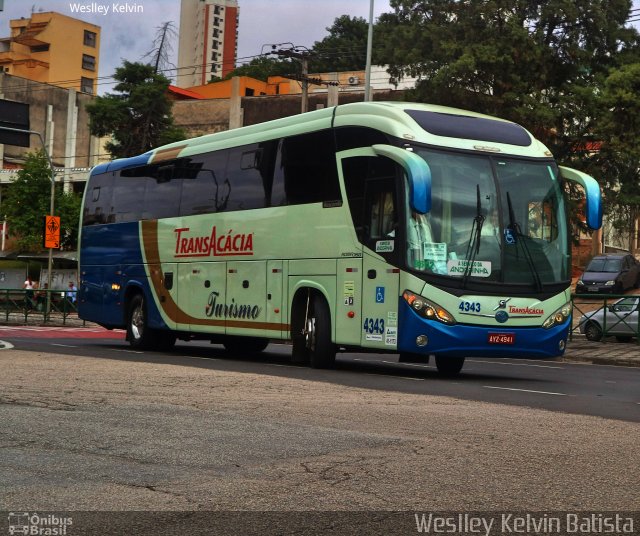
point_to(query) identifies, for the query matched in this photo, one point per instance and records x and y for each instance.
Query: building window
(86, 85)
(88, 62)
(40, 48)
(90, 38)
(216, 21)
(214, 45)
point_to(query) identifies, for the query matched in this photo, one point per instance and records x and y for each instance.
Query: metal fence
(599, 317)
(41, 305)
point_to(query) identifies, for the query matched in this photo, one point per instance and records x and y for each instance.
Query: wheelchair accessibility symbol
(509, 236)
(379, 294)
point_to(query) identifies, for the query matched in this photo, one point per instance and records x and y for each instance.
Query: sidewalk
(608, 352)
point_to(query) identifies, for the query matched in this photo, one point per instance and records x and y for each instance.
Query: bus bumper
(463, 340)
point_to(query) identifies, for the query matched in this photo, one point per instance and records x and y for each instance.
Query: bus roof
(417, 123)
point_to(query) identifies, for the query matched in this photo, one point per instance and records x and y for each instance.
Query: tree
(540, 64)
(139, 116)
(166, 34)
(262, 68)
(618, 159)
(28, 201)
(344, 49)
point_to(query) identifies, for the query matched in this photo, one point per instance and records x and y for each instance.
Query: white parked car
(619, 319)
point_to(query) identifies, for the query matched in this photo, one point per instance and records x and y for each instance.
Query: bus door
(246, 298)
(371, 189)
(202, 295)
(380, 274)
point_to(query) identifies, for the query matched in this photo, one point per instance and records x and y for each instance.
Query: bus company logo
(532, 311)
(36, 524)
(215, 245)
(230, 310)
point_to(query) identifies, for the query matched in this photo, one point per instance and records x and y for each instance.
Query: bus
(413, 229)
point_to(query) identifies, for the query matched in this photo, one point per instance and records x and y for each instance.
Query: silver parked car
(619, 319)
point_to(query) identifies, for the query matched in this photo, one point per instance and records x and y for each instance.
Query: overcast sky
(129, 36)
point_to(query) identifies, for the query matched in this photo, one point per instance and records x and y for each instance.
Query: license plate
(593, 289)
(502, 338)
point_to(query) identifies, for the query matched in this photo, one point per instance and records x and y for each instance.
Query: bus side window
(250, 176)
(205, 191)
(308, 164)
(161, 187)
(98, 202)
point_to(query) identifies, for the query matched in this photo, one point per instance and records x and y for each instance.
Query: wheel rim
(310, 334)
(137, 322)
(592, 332)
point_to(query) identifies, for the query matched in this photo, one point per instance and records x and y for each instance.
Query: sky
(130, 35)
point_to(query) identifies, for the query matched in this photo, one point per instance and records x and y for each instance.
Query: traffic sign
(52, 232)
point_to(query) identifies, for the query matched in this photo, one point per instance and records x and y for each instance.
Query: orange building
(53, 48)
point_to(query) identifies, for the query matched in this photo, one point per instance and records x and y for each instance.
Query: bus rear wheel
(312, 344)
(449, 366)
(139, 334)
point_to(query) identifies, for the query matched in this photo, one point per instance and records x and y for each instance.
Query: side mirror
(418, 173)
(593, 198)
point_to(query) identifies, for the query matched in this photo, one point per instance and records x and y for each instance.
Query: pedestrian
(29, 285)
(71, 292)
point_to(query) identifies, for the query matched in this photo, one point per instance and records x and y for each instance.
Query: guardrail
(613, 315)
(26, 305)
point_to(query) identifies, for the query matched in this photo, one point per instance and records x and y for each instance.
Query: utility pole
(302, 56)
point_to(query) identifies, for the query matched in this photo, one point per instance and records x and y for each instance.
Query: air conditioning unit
(353, 80)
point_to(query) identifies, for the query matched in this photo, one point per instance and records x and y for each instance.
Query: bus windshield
(493, 219)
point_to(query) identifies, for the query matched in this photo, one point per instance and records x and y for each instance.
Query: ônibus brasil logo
(225, 244)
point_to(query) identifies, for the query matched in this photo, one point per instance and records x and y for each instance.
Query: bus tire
(322, 352)
(311, 334)
(449, 366)
(249, 345)
(138, 333)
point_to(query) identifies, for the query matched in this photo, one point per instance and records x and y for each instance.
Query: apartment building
(208, 40)
(53, 48)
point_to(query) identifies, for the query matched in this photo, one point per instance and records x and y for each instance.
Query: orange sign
(52, 232)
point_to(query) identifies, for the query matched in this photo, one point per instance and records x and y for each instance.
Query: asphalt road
(90, 425)
(599, 390)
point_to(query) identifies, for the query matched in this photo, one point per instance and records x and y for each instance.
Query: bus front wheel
(449, 366)
(312, 343)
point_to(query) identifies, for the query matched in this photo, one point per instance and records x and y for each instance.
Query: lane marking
(498, 362)
(64, 345)
(396, 377)
(4, 345)
(525, 390)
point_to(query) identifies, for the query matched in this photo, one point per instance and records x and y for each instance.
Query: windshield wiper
(515, 227)
(473, 245)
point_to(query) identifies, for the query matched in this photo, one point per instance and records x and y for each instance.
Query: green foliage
(27, 202)
(537, 63)
(263, 67)
(138, 117)
(618, 160)
(344, 49)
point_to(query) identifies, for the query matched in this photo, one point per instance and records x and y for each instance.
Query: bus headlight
(559, 317)
(427, 308)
